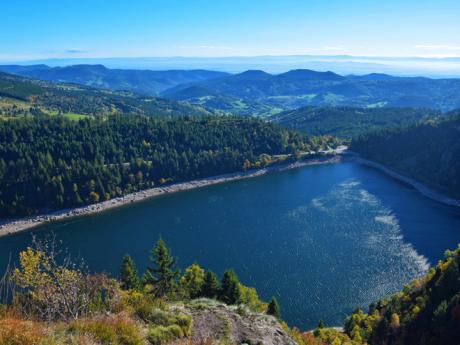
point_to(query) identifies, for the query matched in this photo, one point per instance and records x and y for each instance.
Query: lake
(322, 239)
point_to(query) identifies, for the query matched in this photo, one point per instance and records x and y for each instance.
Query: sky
(39, 29)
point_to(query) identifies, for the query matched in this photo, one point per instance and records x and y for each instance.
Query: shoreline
(13, 226)
(420, 187)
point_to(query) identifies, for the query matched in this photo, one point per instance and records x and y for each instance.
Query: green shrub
(2, 310)
(159, 335)
(129, 334)
(101, 331)
(110, 331)
(147, 308)
(203, 303)
(185, 323)
(158, 317)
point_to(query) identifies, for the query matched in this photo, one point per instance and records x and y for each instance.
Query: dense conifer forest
(53, 162)
(349, 122)
(428, 152)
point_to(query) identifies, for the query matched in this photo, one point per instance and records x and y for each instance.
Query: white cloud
(207, 47)
(436, 47)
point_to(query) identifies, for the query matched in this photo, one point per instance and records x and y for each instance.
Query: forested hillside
(299, 88)
(21, 96)
(144, 82)
(53, 162)
(346, 122)
(429, 152)
(426, 311)
(258, 93)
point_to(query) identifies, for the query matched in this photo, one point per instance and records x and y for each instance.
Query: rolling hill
(348, 122)
(144, 82)
(258, 93)
(24, 96)
(298, 88)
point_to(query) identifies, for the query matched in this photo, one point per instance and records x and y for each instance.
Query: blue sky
(37, 29)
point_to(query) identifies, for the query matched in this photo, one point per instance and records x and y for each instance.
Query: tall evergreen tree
(211, 286)
(192, 281)
(230, 290)
(128, 274)
(163, 276)
(274, 308)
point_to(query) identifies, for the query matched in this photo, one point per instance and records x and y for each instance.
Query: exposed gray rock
(233, 325)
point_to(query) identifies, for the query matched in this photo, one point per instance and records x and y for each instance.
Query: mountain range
(298, 88)
(24, 96)
(436, 67)
(255, 92)
(144, 82)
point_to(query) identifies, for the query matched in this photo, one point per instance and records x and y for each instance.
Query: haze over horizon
(344, 65)
(91, 29)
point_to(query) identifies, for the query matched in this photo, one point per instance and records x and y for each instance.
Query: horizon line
(397, 57)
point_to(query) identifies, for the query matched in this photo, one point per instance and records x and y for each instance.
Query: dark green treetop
(163, 276)
(211, 286)
(274, 308)
(230, 290)
(128, 274)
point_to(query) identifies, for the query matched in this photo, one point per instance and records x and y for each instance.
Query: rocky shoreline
(426, 191)
(9, 227)
(13, 226)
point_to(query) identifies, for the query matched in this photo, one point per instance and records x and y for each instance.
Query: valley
(255, 178)
(258, 93)
(311, 236)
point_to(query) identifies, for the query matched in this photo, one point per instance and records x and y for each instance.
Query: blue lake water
(322, 239)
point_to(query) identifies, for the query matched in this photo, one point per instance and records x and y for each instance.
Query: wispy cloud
(436, 47)
(75, 51)
(207, 47)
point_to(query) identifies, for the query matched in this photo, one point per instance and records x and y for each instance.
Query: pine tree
(192, 281)
(128, 274)
(230, 291)
(163, 276)
(274, 308)
(320, 324)
(318, 328)
(211, 286)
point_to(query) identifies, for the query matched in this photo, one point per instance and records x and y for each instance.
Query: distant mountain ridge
(144, 82)
(298, 88)
(447, 67)
(24, 96)
(302, 87)
(258, 93)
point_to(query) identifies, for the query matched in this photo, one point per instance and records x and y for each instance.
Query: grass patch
(225, 338)
(109, 331)
(19, 332)
(203, 303)
(75, 116)
(159, 335)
